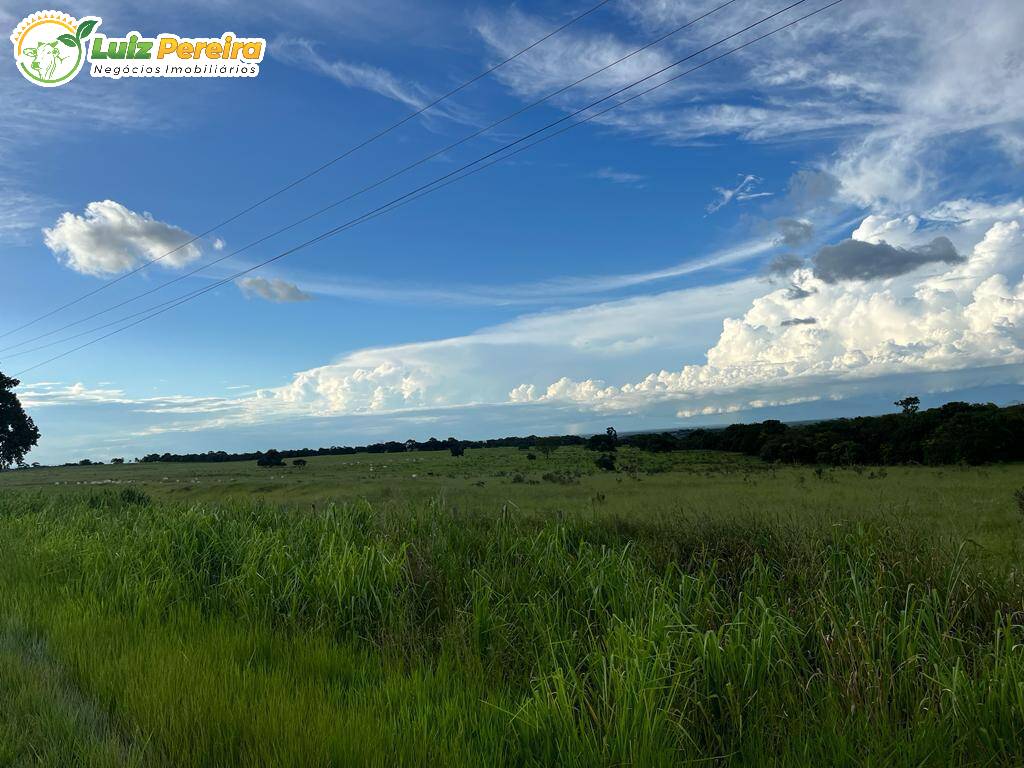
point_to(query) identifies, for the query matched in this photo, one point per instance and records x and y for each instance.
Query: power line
(366, 142)
(452, 176)
(367, 188)
(447, 178)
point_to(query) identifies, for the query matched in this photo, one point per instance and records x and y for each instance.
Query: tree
(117, 461)
(909, 404)
(271, 458)
(18, 433)
(606, 443)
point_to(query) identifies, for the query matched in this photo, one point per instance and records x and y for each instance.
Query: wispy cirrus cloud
(302, 52)
(567, 288)
(620, 177)
(742, 192)
(908, 92)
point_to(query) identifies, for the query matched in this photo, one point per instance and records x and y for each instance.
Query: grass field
(415, 609)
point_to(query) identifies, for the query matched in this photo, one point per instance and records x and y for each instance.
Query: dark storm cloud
(793, 232)
(795, 292)
(800, 321)
(784, 264)
(857, 260)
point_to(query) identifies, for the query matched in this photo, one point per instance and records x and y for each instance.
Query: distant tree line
(456, 447)
(955, 433)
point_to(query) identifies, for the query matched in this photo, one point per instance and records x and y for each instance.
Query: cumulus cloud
(274, 289)
(483, 366)
(812, 339)
(861, 260)
(110, 239)
(776, 346)
(796, 292)
(969, 320)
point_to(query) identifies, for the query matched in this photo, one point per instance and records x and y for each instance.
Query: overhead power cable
(379, 182)
(310, 174)
(449, 178)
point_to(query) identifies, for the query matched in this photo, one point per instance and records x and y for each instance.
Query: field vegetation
(687, 608)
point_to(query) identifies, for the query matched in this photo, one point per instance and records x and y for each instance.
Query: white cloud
(897, 93)
(301, 52)
(741, 192)
(20, 210)
(968, 319)
(540, 292)
(745, 345)
(110, 239)
(620, 177)
(569, 56)
(274, 289)
(481, 367)
(48, 394)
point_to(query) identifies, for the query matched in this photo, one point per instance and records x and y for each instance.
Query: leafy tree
(909, 404)
(606, 443)
(271, 458)
(18, 433)
(117, 461)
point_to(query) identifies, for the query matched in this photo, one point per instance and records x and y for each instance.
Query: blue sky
(827, 220)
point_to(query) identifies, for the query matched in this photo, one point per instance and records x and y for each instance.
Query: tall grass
(252, 634)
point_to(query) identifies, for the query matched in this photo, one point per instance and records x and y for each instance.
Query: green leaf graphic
(69, 40)
(85, 28)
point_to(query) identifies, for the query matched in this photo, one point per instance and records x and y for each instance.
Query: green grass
(696, 609)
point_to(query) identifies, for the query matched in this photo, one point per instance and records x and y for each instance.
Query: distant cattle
(299, 463)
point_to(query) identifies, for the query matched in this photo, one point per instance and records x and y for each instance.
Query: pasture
(413, 609)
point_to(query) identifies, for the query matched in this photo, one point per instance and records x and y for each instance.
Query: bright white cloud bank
(945, 326)
(775, 346)
(110, 239)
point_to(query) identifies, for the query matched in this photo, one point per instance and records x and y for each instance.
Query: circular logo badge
(49, 46)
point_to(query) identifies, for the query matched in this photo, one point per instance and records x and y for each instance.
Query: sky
(813, 226)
